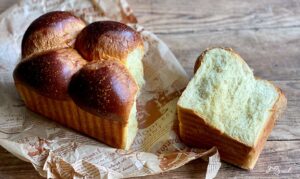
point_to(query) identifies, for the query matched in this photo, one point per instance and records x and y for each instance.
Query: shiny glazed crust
(104, 88)
(49, 73)
(107, 40)
(93, 96)
(52, 30)
(195, 132)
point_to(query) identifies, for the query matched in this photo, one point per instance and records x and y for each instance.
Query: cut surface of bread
(135, 65)
(230, 102)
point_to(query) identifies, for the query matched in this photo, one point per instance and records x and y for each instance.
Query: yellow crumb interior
(225, 93)
(132, 127)
(135, 65)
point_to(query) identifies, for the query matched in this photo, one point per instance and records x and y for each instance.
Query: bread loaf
(84, 77)
(225, 106)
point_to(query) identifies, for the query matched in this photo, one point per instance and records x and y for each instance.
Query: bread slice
(225, 106)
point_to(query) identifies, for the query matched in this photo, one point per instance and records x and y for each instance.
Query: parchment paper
(58, 152)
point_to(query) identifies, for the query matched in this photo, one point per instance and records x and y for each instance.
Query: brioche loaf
(84, 77)
(225, 106)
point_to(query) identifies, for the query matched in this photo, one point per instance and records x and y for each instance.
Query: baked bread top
(107, 40)
(49, 73)
(227, 96)
(53, 30)
(110, 40)
(104, 88)
(104, 67)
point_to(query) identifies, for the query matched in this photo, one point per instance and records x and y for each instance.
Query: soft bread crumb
(135, 65)
(225, 93)
(132, 127)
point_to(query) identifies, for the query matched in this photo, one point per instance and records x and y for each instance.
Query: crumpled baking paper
(58, 152)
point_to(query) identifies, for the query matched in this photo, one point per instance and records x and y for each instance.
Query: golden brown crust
(104, 88)
(50, 31)
(49, 73)
(107, 40)
(101, 96)
(194, 131)
(277, 109)
(67, 113)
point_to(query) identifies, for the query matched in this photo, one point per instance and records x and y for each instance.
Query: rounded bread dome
(49, 73)
(90, 79)
(96, 74)
(107, 40)
(104, 88)
(53, 30)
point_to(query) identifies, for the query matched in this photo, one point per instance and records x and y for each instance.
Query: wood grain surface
(266, 33)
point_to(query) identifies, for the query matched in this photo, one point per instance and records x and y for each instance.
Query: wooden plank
(183, 16)
(272, 54)
(11, 167)
(278, 160)
(265, 33)
(287, 127)
(4, 4)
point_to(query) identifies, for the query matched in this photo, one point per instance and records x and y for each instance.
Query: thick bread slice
(224, 105)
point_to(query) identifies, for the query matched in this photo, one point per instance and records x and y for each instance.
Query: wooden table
(267, 35)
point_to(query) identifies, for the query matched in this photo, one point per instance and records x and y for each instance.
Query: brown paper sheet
(58, 152)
